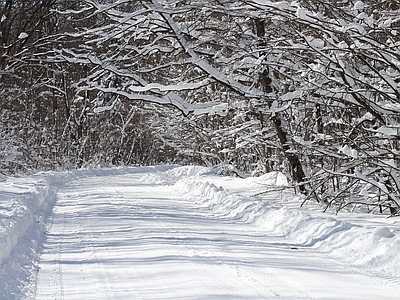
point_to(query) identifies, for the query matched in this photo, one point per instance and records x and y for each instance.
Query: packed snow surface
(185, 233)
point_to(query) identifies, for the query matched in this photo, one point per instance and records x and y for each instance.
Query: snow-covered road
(185, 233)
(123, 237)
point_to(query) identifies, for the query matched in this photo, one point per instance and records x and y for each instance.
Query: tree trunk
(265, 82)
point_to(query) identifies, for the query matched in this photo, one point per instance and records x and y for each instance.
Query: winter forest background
(309, 87)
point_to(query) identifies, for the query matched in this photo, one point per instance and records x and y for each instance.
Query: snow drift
(363, 241)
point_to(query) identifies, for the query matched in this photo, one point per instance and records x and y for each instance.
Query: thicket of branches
(310, 88)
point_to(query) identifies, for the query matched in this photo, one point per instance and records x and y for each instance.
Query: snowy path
(116, 237)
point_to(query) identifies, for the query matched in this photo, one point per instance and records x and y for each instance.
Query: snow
(359, 5)
(303, 13)
(388, 131)
(167, 88)
(278, 4)
(170, 232)
(22, 35)
(382, 232)
(348, 151)
(101, 109)
(315, 43)
(203, 64)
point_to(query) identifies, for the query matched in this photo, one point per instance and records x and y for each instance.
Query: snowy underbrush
(364, 241)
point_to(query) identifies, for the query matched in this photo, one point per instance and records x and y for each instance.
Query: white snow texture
(185, 233)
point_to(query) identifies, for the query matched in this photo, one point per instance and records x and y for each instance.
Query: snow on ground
(185, 233)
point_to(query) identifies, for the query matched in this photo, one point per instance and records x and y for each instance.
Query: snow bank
(24, 204)
(172, 175)
(20, 198)
(364, 241)
(220, 201)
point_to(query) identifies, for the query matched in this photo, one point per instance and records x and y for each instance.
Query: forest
(310, 88)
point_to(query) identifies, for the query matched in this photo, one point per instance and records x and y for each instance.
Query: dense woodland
(309, 87)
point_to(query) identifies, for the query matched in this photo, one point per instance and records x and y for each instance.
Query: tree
(179, 61)
(288, 62)
(308, 87)
(23, 25)
(343, 61)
